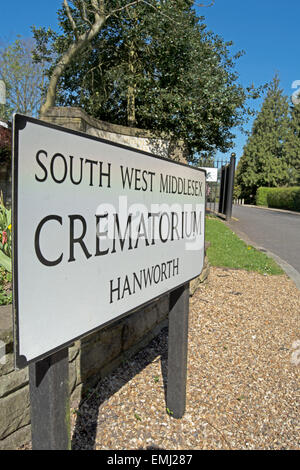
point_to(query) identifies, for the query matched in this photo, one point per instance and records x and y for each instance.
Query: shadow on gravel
(87, 421)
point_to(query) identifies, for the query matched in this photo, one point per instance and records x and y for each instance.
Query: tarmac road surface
(276, 231)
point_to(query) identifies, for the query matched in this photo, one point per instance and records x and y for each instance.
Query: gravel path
(243, 376)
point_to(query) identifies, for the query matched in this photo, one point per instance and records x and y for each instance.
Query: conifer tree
(264, 161)
(292, 147)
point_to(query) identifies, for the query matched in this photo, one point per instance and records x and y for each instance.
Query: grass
(227, 250)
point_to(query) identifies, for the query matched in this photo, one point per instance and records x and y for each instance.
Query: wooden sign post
(177, 350)
(50, 403)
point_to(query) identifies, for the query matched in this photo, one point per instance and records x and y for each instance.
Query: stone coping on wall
(77, 114)
(77, 119)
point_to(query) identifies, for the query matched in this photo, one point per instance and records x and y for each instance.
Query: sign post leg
(177, 351)
(49, 396)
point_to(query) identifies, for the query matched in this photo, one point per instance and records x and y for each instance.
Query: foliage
(153, 66)
(5, 287)
(281, 198)
(206, 159)
(5, 144)
(5, 236)
(262, 196)
(264, 161)
(5, 111)
(24, 79)
(292, 147)
(227, 250)
(237, 192)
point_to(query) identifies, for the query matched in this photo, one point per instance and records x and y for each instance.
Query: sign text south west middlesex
(100, 229)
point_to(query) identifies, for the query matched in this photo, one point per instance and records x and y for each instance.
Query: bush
(237, 191)
(5, 236)
(261, 196)
(5, 144)
(285, 198)
(279, 198)
(5, 287)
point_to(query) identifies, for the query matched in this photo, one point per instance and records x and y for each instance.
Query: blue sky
(267, 30)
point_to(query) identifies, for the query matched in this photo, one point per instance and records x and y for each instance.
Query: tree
(24, 79)
(206, 159)
(86, 18)
(292, 147)
(264, 160)
(5, 111)
(149, 64)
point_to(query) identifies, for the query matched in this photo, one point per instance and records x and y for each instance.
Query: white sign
(211, 174)
(99, 230)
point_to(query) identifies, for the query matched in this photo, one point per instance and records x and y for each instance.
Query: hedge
(280, 198)
(261, 196)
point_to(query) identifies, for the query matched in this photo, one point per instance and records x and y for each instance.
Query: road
(276, 231)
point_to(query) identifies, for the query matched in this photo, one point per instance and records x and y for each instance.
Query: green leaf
(5, 261)
(8, 217)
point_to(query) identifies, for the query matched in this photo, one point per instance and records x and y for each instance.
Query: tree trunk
(66, 59)
(131, 118)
